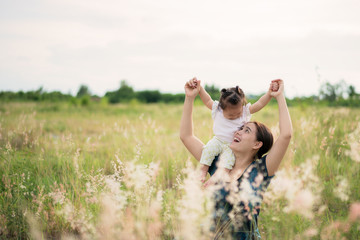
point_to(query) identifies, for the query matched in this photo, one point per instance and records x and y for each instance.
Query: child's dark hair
(231, 96)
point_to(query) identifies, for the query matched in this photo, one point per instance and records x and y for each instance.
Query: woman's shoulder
(261, 166)
(258, 168)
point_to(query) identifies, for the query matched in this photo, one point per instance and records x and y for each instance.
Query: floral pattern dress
(237, 205)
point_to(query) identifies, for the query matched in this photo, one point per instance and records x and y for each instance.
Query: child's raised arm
(265, 99)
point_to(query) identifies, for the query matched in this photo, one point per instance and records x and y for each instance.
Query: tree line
(337, 94)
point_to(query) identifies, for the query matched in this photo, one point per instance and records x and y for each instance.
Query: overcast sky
(160, 44)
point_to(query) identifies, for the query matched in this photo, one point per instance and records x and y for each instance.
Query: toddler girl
(229, 113)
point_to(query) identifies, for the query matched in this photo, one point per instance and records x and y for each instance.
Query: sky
(160, 44)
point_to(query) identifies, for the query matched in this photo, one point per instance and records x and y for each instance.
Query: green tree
(149, 96)
(213, 91)
(332, 92)
(83, 91)
(124, 94)
(172, 98)
(351, 92)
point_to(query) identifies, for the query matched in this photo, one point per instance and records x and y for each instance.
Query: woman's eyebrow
(248, 128)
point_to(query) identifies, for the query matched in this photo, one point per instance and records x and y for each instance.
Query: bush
(85, 100)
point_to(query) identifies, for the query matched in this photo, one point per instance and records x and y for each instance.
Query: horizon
(135, 90)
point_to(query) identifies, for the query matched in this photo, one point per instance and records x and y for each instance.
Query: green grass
(83, 170)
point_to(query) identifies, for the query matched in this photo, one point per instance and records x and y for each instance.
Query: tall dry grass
(121, 172)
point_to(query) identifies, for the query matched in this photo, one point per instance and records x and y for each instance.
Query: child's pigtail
(240, 92)
(231, 96)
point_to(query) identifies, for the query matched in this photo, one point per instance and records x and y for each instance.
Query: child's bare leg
(203, 171)
(210, 150)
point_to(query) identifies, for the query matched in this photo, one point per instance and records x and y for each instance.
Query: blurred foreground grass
(121, 172)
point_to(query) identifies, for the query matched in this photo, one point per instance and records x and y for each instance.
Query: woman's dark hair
(231, 96)
(264, 135)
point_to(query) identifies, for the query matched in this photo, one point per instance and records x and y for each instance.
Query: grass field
(121, 172)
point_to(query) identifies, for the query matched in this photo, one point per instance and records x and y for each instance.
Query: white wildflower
(311, 232)
(8, 147)
(302, 203)
(118, 196)
(58, 197)
(191, 207)
(354, 143)
(76, 160)
(300, 186)
(342, 189)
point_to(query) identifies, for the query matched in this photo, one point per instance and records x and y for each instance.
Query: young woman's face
(245, 138)
(233, 111)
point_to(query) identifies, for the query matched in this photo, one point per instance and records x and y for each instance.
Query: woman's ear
(258, 145)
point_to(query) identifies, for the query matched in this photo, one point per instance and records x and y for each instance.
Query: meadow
(121, 172)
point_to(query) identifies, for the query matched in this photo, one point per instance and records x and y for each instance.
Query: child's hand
(193, 83)
(274, 86)
(190, 89)
(279, 86)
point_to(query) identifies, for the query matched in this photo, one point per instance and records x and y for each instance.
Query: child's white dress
(224, 130)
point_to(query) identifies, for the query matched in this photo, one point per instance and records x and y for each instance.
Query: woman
(238, 199)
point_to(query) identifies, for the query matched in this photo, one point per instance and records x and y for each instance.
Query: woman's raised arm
(192, 143)
(281, 144)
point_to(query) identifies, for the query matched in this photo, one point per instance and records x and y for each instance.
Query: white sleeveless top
(225, 128)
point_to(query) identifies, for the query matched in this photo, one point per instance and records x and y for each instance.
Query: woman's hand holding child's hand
(192, 87)
(276, 87)
(194, 82)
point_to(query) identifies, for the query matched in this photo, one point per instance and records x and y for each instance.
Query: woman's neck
(242, 161)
